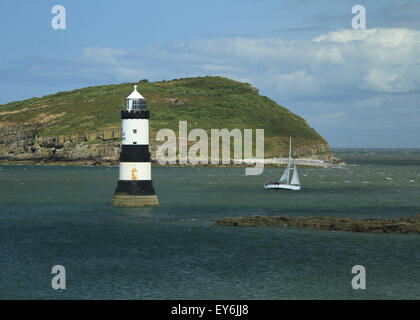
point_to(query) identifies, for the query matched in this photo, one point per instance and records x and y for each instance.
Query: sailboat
(283, 183)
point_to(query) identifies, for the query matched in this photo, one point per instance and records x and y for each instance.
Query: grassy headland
(85, 123)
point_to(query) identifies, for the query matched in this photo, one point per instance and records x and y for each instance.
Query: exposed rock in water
(399, 225)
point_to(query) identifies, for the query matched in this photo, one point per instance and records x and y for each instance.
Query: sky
(357, 88)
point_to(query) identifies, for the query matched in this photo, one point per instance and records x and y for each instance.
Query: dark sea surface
(52, 215)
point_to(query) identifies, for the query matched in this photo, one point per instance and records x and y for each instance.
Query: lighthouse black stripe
(135, 148)
(135, 114)
(138, 187)
(129, 157)
(135, 153)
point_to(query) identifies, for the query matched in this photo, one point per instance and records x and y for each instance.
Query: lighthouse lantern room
(135, 187)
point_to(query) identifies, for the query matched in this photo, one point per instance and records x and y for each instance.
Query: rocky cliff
(25, 144)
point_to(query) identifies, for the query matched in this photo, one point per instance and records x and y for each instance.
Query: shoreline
(268, 163)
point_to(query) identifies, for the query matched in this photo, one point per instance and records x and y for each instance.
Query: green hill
(85, 123)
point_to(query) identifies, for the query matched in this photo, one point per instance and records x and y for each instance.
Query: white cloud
(346, 35)
(383, 80)
(344, 61)
(105, 55)
(300, 78)
(332, 80)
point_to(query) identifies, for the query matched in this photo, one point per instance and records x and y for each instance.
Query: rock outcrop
(400, 225)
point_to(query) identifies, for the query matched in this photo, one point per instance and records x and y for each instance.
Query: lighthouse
(135, 187)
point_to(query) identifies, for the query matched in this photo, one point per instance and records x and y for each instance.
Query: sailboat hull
(278, 186)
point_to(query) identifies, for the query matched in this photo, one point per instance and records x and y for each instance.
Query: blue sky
(358, 88)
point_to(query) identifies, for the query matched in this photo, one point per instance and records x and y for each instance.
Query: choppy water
(53, 215)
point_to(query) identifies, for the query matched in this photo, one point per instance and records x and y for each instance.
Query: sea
(61, 215)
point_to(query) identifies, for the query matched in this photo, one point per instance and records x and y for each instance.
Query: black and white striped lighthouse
(135, 187)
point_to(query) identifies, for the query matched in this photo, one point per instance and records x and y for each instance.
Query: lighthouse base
(138, 193)
(126, 200)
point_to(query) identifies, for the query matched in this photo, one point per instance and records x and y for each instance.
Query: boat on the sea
(284, 183)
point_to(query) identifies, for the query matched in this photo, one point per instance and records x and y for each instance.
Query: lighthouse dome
(135, 100)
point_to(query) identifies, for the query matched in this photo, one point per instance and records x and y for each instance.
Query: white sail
(295, 177)
(283, 183)
(285, 177)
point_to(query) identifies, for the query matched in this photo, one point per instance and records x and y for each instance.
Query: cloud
(386, 58)
(332, 79)
(343, 62)
(300, 78)
(105, 55)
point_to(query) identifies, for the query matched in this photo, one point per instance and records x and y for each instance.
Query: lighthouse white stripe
(135, 171)
(140, 126)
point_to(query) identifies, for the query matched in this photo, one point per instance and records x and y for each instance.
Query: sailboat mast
(290, 160)
(290, 149)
